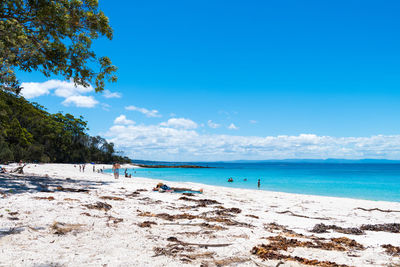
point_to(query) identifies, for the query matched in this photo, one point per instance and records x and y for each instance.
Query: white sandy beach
(44, 223)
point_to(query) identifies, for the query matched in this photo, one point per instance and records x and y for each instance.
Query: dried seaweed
(204, 225)
(266, 253)
(203, 202)
(141, 190)
(392, 250)
(112, 198)
(386, 227)
(133, 194)
(59, 228)
(71, 199)
(187, 216)
(147, 224)
(339, 244)
(47, 198)
(76, 190)
(99, 206)
(322, 228)
(114, 220)
(171, 250)
(252, 216)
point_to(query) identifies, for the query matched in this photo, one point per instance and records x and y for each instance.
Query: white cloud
(180, 144)
(212, 124)
(109, 94)
(253, 121)
(123, 120)
(180, 123)
(65, 89)
(232, 127)
(148, 113)
(80, 101)
(62, 89)
(32, 90)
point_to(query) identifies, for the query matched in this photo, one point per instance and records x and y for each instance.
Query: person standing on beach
(258, 183)
(94, 168)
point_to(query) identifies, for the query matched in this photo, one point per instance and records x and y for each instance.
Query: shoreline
(266, 190)
(149, 228)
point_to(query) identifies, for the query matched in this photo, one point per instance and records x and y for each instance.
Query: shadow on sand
(18, 184)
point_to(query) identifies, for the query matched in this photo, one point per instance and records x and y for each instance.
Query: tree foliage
(29, 133)
(53, 37)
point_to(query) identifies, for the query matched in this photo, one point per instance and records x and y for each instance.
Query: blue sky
(328, 69)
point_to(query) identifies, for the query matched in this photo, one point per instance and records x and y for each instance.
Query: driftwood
(175, 240)
(377, 209)
(301, 216)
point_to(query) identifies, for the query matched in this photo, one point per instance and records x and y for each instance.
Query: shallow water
(364, 181)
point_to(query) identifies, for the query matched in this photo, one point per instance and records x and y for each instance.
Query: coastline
(101, 240)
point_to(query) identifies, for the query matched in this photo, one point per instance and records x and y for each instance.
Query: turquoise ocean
(378, 181)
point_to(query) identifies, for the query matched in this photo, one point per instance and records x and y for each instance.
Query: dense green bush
(29, 133)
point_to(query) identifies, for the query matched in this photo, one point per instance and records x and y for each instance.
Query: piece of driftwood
(301, 216)
(376, 209)
(175, 240)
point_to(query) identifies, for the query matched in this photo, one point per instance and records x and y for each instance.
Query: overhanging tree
(53, 37)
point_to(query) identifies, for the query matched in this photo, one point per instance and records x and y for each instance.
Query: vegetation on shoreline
(29, 133)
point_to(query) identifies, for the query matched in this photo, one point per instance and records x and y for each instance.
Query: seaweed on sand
(59, 228)
(76, 190)
(99, 206)
(323, 228)
(392, 250)
(147, 224)
(386, 227)
(202, 202)
(112, 198)
(339, 244)
(266, 253)
(47, 198)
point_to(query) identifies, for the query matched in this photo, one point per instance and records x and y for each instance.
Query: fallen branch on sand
(175, 240)
(377, 209)
(302, 216)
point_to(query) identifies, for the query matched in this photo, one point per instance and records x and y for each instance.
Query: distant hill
(337, 161)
